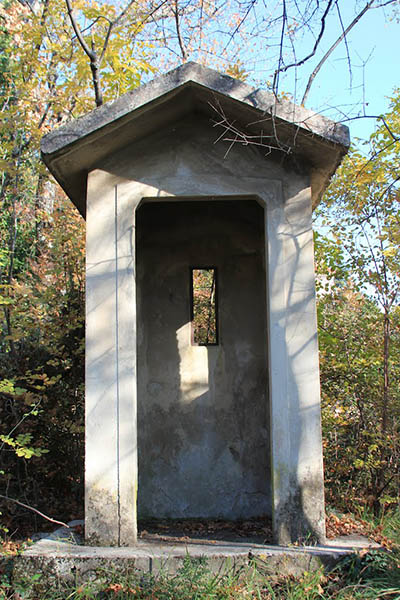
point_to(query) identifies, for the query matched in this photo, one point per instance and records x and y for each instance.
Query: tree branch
(94, 61)
(239, 25)
(78, 32)
(332, 48)
(111, 27)
(275, 83)
(317, 42)
(178, 31)
(122, 13)
(346, 44)
(35, 510)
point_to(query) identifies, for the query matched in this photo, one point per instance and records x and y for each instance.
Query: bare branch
(383, 4)
(317, 42)
(242, 20)
(233, 135)
(178, 31)
(275, 83)
(35, 510)
(346, 44)
(332, 48)
(376, 118)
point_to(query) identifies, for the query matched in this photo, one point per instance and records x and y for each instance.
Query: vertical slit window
(204, 309)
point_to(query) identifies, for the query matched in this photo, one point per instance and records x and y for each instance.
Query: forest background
(61, 58)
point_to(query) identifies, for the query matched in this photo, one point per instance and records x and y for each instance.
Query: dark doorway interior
(203, 415)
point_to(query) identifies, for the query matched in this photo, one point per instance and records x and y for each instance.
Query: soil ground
(256, 531)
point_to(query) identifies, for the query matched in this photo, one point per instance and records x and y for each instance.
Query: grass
(362, 576)
(391, 527)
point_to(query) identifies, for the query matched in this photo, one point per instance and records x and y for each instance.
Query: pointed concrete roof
(72, 150)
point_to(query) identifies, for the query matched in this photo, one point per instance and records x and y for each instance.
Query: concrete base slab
(353, 541)
(62, 563)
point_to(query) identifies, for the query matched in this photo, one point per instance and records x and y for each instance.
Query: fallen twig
(34, 510)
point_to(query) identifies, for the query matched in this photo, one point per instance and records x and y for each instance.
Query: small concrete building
(202, 380)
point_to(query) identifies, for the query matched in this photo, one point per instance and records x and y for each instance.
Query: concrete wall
(110, 390)
(182, 162)
(203, 415)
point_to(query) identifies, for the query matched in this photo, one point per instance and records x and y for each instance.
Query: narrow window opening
(203, 287)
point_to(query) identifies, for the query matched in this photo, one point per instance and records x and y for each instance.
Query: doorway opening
(203, 409)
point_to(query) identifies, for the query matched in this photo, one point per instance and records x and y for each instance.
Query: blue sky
(374, 47)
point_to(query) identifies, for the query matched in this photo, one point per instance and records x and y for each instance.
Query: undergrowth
(365, 575)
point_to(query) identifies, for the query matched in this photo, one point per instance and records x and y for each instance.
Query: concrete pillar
(296, 445)
(111, 447)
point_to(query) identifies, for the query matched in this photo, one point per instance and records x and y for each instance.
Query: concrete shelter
(198, 173)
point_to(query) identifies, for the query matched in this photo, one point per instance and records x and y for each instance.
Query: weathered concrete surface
(297, 469)
(59, 563)
(203, 412)
(110, 403)
(71, 533)
(353, 541)
(292, 132)
(191, 168)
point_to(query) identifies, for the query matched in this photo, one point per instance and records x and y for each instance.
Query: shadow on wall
(219, 419)
(203, 431)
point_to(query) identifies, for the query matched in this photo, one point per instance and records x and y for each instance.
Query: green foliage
(204, 317)
(361, 455)
(45, 79)
(20, 445)
(362, 209)
(372, 574)
(359, 326)
(42, 396)
(7, 386)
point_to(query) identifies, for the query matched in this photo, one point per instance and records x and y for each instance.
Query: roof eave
(74, 149)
